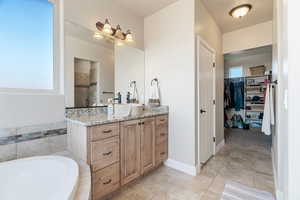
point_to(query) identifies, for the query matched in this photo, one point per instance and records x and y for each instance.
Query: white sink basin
(122, 110)
(125, 110)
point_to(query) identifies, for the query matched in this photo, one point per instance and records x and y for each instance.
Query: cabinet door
(148, 145)
(130, 151)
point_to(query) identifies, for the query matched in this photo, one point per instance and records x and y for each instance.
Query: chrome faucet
(119, 98)
(112, 101)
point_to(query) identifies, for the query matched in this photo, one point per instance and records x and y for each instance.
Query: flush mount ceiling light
(240, 11)
(114, 33)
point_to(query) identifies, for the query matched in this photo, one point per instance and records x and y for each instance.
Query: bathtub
(38, 178)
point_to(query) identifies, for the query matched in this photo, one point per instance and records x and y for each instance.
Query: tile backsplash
(42, 139)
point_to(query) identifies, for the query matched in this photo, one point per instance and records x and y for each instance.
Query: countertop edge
(95, 123)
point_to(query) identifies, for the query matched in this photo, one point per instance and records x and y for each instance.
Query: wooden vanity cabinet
(147, 145)
(103, 156)
(130, 150)
(137, 148)
(120, 152)
(161, 139)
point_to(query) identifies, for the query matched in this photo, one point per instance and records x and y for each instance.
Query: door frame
(203, 43)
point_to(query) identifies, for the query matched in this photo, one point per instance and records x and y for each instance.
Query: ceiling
(144, 8)
(262, 11)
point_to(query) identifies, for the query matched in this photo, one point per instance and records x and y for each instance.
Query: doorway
(206, 62)
(247, 74)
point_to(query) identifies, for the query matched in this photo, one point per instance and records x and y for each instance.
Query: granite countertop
(98, 118)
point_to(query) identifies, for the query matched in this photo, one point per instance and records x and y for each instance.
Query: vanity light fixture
(118, 34)
(240, 11)
(114, 33)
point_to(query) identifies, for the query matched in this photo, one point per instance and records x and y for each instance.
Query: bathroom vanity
(118, 150)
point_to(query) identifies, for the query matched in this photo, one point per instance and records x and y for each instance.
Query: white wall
(209, 31)
(88, 12)
(77, 48)
(286, 66)
(18, 110)
(247, 38)
(247, 61)
(170, 57)
(129, 66)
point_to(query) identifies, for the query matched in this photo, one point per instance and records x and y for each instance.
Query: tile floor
(245, 159)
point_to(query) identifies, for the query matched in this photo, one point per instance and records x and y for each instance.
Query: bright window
(26, 44)
(236, 72)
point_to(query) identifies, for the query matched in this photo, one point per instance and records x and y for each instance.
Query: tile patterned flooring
(245, 159)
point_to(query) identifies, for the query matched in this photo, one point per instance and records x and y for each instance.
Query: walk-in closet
(247, 84)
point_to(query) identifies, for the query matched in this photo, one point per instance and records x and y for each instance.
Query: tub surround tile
(37, 147)
(40, 128)
(6, 132)
(58, 143)
(8, 152)
(31, 136)
(83, 191)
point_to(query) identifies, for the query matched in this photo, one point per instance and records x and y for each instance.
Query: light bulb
(107, 28)
(129, 37)
(98, 36)
(119, 33)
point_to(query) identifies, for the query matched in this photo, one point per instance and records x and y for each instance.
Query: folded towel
(269, 118)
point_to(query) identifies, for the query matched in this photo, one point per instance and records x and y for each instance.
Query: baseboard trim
(220, 146)
(278, 193)
(188, 169)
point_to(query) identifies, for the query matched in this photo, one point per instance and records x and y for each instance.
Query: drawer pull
(163, 134)
(107, 154)
(107, 131)
(107, 182)
(162, 153)
(162, 120)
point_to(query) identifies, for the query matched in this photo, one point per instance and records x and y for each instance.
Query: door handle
(202, 111)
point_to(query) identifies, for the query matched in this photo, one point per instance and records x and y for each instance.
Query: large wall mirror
(97, 70)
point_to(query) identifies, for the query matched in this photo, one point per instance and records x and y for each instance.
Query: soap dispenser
(110, 107)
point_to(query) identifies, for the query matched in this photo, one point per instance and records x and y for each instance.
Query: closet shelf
(254, 110)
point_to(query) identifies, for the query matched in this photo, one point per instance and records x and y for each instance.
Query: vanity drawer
(161, 133)
(103, 131)
(161, 152)
(106, 181)
(104, 152)
(162, 120)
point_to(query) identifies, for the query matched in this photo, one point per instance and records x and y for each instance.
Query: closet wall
(248, 58)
